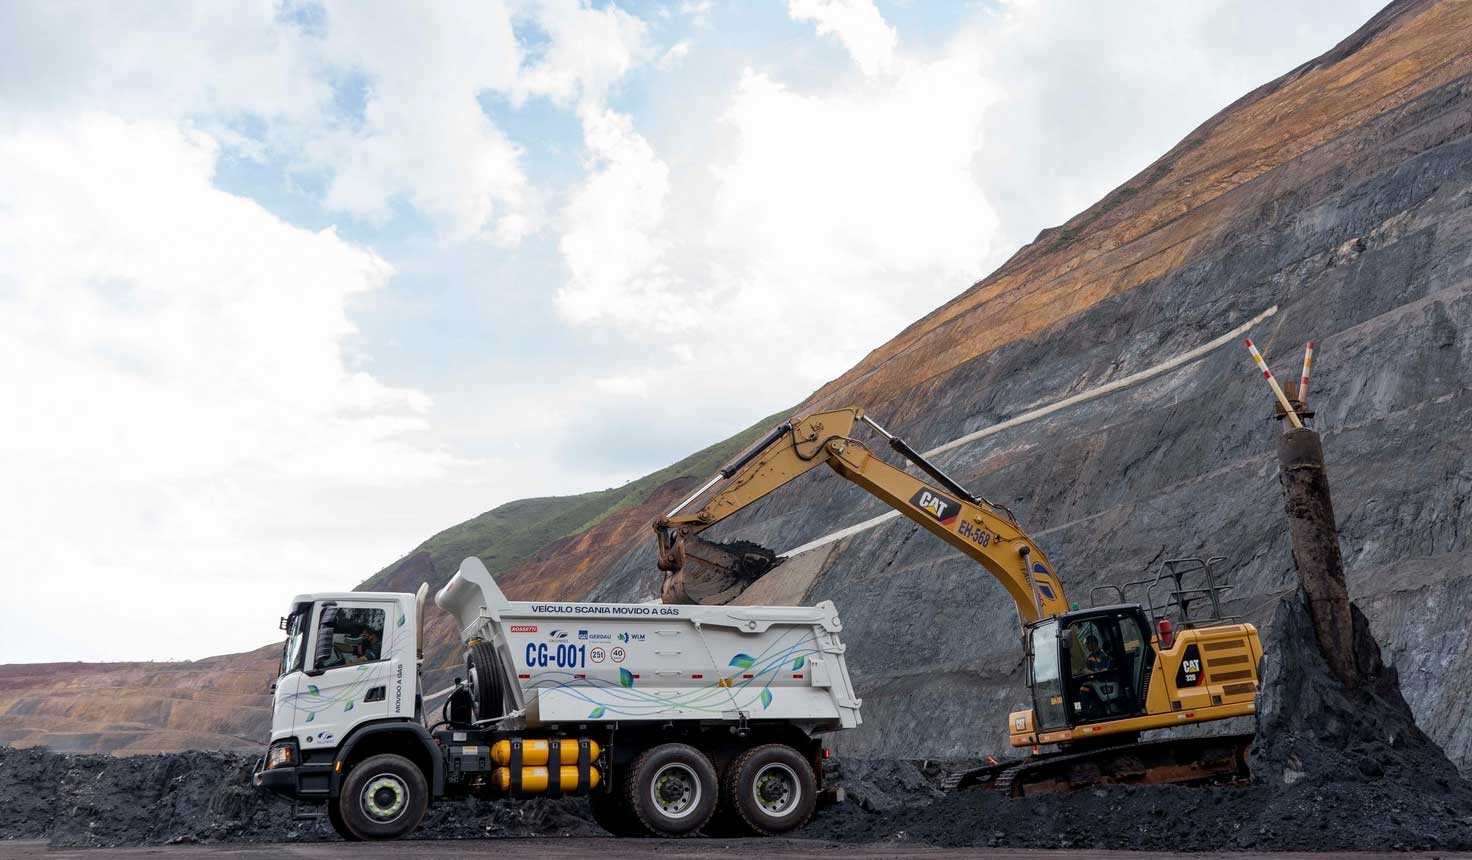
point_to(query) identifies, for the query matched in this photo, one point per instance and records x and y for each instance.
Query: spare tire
(483, 677)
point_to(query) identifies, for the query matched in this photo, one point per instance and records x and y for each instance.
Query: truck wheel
(340, 827)
(383, 797)
(672, 789)
(612, 814)
(771, 788)
(484, 673)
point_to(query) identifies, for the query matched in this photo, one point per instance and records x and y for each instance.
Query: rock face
(1342, 195)
(220, 703)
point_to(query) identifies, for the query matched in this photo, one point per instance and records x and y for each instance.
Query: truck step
(308, 812)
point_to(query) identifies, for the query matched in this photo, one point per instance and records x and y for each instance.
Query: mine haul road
(552, 848)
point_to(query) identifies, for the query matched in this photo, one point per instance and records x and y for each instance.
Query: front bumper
(305, 782)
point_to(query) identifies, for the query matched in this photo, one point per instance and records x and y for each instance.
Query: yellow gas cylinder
(534, 752)
(534, 779)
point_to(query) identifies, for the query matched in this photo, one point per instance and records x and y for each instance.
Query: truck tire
(771, 789)
(612, 814)
(340, 827)
(383, 797)
(671, 789)
(483, 672)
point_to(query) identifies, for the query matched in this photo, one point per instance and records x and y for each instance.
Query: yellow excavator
(1099, 676)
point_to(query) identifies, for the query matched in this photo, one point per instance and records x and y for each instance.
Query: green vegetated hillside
(509, 534)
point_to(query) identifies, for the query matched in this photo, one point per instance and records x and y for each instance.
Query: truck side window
(357, 636)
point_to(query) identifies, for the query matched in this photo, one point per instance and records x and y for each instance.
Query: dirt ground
(626, 849)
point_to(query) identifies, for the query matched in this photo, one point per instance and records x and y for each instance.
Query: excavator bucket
(714, 573)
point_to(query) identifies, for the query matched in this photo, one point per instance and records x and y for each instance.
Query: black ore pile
(98, 800)
(1334, 769)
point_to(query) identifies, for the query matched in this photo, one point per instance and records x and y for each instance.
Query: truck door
(1046, 670)
(356, 669)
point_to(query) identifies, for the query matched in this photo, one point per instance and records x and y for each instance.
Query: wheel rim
(675, 790)
(384, 798)
(776, 789)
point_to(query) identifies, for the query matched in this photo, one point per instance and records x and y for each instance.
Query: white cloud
(698, 11)
(423, 136)
(271, 86)
(1092, 93)
(181, 429)
(857, 24)
(623, 385)
(159, 60)
(614, 233)
(588, 50)
(675, 56)
(835, 219)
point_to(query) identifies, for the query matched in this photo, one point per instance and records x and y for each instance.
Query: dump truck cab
(348, 684)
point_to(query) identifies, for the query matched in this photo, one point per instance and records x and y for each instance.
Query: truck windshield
(296, 636)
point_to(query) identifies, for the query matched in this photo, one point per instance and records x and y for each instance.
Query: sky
(287, 287)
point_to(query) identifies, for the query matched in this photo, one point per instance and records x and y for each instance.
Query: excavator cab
(1107, 673)
(1088, 666)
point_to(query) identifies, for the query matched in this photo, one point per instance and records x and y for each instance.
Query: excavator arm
(701, 571)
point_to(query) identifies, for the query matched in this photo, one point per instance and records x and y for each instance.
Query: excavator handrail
(1174, 571)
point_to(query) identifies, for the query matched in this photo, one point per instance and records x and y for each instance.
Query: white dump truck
(669, 719)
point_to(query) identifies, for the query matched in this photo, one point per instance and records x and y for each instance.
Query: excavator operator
(1095, 660)
(1091, 695)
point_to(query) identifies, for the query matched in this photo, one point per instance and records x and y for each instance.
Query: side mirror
(322, 652)
(1065, 639)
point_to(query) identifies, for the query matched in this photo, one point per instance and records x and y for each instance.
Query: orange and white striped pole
(1273, 384)
(1308, 362)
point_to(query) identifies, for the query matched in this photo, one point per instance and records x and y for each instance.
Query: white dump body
(597, 662)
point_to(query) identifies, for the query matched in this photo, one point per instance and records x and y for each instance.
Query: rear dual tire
(769, 790)
(671, 790)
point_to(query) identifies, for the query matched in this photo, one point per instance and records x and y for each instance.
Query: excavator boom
(988, 534)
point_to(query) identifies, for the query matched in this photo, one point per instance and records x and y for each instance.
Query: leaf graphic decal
(311, 715)
(743, 661)
(798, 663)
(625, 678)
(348, 706)
(312, 688)
(402, 619)
(766, 698)
(595, 713)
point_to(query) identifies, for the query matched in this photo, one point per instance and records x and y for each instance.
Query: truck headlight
(281, 754)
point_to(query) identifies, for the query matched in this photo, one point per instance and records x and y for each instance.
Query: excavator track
(1215, 760)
